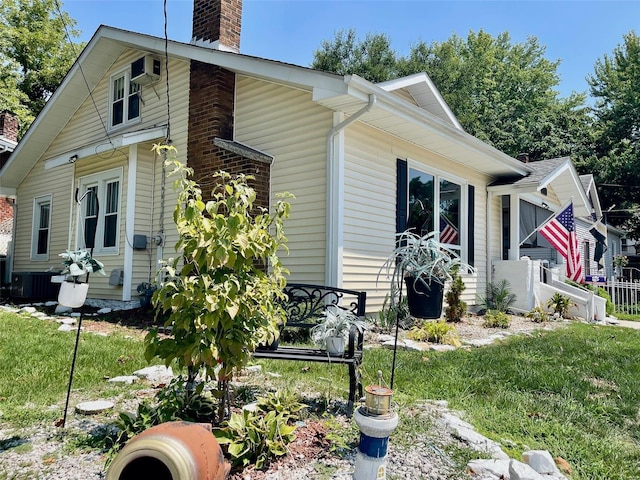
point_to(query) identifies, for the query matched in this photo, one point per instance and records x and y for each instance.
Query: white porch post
(514, 226)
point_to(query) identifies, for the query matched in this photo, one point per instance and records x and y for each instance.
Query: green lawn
(35, 360)
(573, 391)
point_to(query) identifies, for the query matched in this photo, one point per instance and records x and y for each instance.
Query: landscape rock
(489, 469)
(541, 461)
(93, 407)
(155, 374)
(522, 471)
(28, 310)
(103, 311)
(128, 379)
(61, 309)
(66, 328)
(465, 432)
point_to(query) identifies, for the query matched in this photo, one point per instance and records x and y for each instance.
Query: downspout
(335, 199)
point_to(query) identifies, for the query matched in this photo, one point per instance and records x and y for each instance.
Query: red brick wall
(218, 20)
(8, 126)
(6, 208)
(211, 107)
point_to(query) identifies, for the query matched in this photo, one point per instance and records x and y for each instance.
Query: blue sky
(575, 32)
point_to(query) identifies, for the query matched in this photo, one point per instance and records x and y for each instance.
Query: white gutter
(335, 198)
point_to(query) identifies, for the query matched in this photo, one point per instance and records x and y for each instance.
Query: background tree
(501, 92)
(615, 84)
(35, 55)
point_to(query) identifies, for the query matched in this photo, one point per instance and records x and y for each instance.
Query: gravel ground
(45, 452)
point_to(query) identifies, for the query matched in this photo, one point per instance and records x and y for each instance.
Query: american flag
(448, 233)
(560, 231)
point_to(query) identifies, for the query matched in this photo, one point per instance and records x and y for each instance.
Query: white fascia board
(124, 140)
(513, 189)
(421, 117)
(568, 167)
(7, 192)
(236, 62)
(417, 79)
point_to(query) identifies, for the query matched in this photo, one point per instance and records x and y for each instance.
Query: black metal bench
(304, 307)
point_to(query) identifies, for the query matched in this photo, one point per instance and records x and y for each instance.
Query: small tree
(221, 295)
(456, 308)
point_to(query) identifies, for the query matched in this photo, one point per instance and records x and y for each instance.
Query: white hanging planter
(335, 346)
(72, 294)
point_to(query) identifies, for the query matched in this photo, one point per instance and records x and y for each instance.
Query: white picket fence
(625, 295)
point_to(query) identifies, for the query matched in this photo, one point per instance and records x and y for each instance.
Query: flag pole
(553, 214)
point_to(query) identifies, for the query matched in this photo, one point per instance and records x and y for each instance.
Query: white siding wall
(284, 122)
(370, 209)
(86, 128)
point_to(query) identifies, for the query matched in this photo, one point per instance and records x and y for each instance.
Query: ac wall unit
(145, 70)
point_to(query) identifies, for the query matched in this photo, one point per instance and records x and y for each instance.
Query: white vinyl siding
(370, 210)
(284, 122)
(87, 127)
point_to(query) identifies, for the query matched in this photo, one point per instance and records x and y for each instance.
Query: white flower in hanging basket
(80, 262)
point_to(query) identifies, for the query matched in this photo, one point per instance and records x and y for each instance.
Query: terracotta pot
(171, 451)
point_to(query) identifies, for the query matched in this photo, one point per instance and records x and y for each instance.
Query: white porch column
(514, 226)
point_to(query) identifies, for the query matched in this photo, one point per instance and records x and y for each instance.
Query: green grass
(35, 360)
(573, 391)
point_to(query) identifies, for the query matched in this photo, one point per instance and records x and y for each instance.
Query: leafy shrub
(537, 315)
(601, 292)
(456, 308)
(560, 304)
(253, 438)
(496, 319)
(497, 297)
(392, 311)
(281, 401)
(435, 332)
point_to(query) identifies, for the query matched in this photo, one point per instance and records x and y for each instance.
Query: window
(41, 228)
(435, 204)
(99, 225)
(124, 100)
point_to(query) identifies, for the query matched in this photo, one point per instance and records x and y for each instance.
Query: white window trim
(439, 175)
(125, 123)
(35, 226)
(101, 179)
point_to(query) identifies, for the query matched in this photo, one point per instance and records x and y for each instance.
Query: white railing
(625, 295)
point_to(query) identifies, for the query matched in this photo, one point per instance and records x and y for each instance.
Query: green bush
(537, 315)
(560, 304)
(435, 332)
(496, 319)
(456, 308)
(497, 297)
(601, 292)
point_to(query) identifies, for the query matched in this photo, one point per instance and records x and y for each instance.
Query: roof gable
(425, 95)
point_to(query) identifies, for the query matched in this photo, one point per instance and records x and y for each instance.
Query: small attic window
(124, 100)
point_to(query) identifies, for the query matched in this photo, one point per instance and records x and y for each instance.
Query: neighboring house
(8, 142)
(359, 157)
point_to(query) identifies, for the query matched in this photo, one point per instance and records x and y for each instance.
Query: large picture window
(99, 225)
(434, 204)
(124, 100)
(41, 230)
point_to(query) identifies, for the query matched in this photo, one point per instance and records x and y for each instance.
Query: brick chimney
(217, 23)
(8, 126)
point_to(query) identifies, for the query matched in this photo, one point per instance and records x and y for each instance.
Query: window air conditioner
(145, 70)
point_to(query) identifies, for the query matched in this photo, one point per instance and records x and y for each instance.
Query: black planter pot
(423, 301)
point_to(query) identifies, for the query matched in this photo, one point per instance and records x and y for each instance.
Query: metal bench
(304, 307)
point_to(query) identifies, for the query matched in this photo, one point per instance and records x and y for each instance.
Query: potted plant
(619, 262)
(333, 330)
(423, 265)
(145, 291)
(73, 292)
